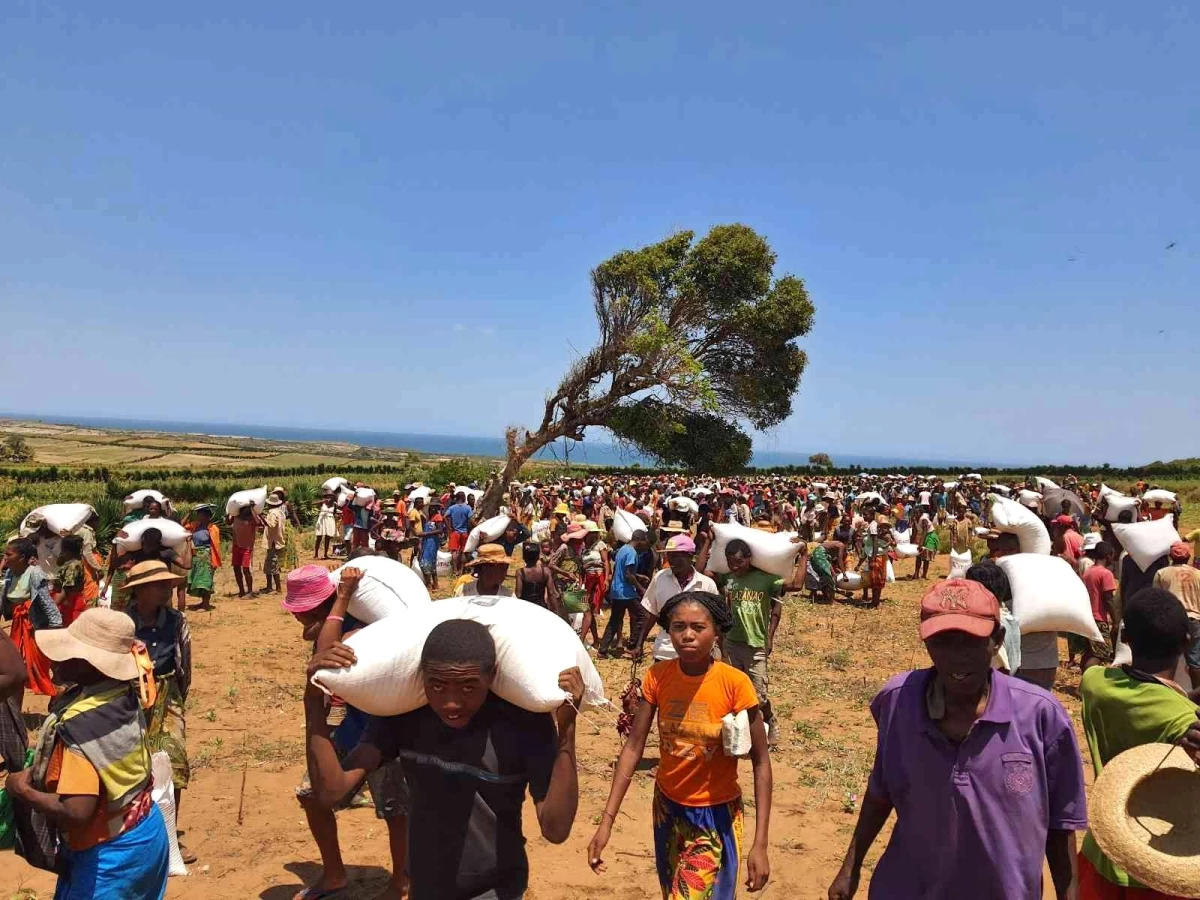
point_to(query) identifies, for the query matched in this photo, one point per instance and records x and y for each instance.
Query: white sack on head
(335, 484)
(1048, 595)
(388, 587)
(363, 496)
(774, 553)
(129, 538)
(1045, 483)
(241, 499)
(1029, 498)
(486, 532)
(137, 498)
(1013, 518)
(624, 525)
(1146, 542)
(419, 493)
(61, 518)
(533, 646)
(683, 504)
(1106, 491)
(1158, 497)
(1117, 504)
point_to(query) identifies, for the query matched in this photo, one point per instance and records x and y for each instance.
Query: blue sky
(316, 215)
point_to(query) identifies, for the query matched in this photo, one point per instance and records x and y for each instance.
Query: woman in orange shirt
(697, 799)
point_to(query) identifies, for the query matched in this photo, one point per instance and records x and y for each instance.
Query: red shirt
(1074, 542)
(1098, 580)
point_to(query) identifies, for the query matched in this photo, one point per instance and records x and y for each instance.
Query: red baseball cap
(959, 605)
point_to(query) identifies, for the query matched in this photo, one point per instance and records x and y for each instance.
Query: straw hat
(102, 637)
(490, 555)
(562, 510)
(1145, 815)
(674, 525)
(149, 572)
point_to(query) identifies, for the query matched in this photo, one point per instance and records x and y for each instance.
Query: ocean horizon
(592, 452)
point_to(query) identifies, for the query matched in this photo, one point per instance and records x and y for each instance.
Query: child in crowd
(697, 800)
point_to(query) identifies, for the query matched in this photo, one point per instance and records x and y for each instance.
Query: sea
(591, 452)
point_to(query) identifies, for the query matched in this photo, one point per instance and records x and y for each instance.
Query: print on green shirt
(750, 597)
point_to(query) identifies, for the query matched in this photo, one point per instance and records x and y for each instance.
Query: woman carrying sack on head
(164, 632)
(206, 555)
(25, 598)
(91, 772)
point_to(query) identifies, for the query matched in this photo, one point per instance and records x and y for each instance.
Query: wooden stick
(242, 792)
(242, 797)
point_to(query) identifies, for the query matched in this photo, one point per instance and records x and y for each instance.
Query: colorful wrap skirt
(697, 849)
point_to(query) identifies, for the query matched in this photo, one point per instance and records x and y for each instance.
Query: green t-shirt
(1121, 712)
(750, 597)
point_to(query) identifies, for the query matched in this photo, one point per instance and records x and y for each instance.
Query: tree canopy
(697, 339)
(820, 459)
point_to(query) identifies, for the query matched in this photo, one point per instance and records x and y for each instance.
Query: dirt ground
(245, 722)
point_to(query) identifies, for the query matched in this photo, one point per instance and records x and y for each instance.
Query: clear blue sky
(376, 215)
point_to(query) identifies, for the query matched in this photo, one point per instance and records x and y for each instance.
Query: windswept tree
(697, 340)
(820, 459)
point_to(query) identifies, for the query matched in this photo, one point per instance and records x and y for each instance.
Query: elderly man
(679, 576)
(983, 770)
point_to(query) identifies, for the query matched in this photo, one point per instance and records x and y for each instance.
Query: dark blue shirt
(159, 636)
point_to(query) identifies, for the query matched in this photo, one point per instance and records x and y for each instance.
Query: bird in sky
(1170, 245)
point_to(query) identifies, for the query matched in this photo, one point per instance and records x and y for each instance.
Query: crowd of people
(975, 755)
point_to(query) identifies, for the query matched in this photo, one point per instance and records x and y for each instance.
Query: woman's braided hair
(717, 608)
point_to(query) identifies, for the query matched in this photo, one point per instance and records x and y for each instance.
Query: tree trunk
(490, 503)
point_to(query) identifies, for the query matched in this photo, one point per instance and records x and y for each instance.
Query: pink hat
(307, 588)
(681, 543)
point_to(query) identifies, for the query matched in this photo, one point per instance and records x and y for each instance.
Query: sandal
(186, 855)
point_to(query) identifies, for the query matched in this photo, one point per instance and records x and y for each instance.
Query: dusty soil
(245, 720)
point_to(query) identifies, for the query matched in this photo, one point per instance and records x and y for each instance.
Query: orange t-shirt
(693, 769)
(70, 774)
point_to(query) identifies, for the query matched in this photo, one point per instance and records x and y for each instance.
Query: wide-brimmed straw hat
(149, 572)
(1144, 813)
(674, 525)
(562, 510)
(490, 555)
(307, 588)
(102, 637)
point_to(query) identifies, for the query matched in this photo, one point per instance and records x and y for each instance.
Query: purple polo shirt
(971, 819)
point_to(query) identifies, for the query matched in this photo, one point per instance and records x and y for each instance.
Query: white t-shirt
(664, 585)
(925, 495)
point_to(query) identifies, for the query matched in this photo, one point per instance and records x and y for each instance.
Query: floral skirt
(697, 849)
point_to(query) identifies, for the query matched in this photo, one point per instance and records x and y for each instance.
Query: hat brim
(306, 602)
(972, 625)
(59, 645)
(1121, 835)
(504, 561)
(150, 579)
